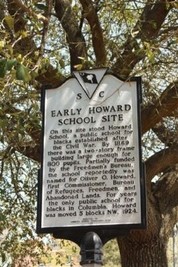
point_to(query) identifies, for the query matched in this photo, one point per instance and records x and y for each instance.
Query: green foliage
(9, 21)
(111, 255)
(22, 73)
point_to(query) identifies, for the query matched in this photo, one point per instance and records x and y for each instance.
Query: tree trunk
(146, 247)
(151, 254)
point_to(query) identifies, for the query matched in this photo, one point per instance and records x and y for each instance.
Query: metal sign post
(91, 250)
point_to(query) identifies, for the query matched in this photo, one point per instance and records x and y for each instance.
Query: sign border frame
(75, 233)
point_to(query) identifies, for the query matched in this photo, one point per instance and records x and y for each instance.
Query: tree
(41, 43)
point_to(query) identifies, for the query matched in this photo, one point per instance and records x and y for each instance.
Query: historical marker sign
(91, 165)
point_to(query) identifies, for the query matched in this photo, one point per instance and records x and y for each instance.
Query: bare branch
(75, 39)
(166, 191)
(89, 12)
(165, 134)
(152, 18)
(160, 161)
(50, 77)
(49, 5)
(148, 28)
(28, 10)
(164, 106)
